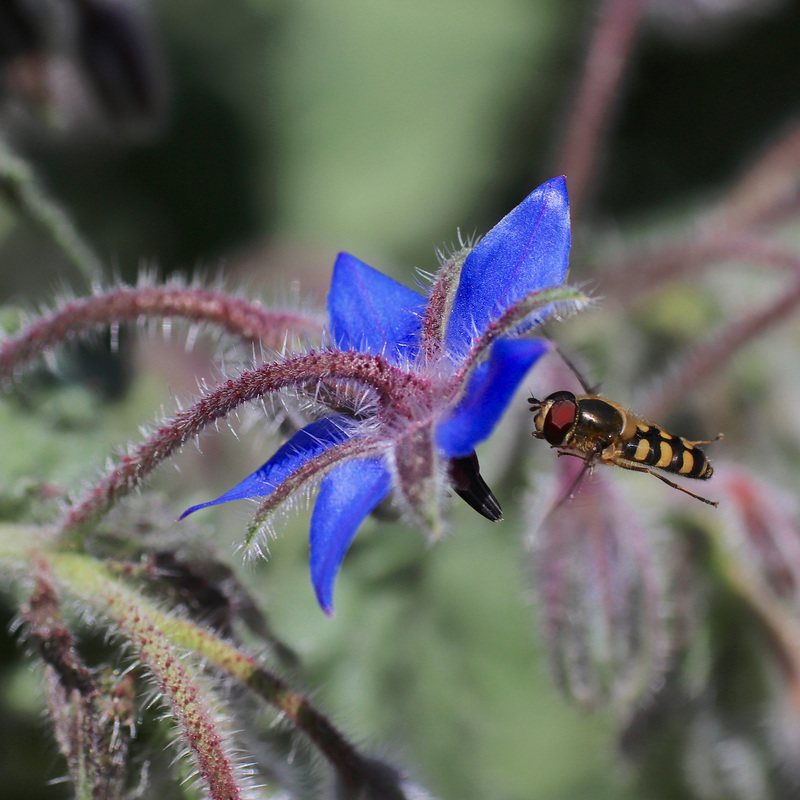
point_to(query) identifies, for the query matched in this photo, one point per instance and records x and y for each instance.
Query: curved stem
(595, 99)
(154, 630)
(440, 300)
(147, 629)
(780, 622)
(634, 274)
(390, 383)
(560, 301)
(768, 190)
(312, 470)
(20, 188)
(249, 321)
(714, 354)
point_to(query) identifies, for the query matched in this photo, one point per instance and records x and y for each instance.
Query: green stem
(19, 186)
(150, 632)
(153, 630)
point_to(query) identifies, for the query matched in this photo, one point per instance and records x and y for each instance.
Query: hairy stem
(768, 191)
(390, 383)
(249, 321)
(92, 729)
(560, 300)
(146, 629)
(20, 188)
(312, 470)
(634, 274)
(151, 629)
(595, 99)
(440, 301)
(780, 621)
(714, 354)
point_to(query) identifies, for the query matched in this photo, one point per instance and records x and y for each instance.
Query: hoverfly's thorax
(598, 419)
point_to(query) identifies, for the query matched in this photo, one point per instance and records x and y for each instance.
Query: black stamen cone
(468, 484)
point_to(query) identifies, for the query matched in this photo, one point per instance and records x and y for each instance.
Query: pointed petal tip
(323, 585)
(527, 251)
(191, 510)
(347, 495)
(557, 186)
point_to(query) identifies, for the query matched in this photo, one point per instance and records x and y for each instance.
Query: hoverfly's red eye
(559, 417)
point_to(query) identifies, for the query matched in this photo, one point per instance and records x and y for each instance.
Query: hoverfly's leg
(568, 453)
(705, 441)
(667, 481)
(588, 463)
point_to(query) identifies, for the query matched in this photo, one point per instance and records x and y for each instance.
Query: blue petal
(370, 312)
(526, 251)
(490, 389)
(347, 494)
(307, 443)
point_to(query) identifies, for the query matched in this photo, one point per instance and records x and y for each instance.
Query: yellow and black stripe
(652, 446)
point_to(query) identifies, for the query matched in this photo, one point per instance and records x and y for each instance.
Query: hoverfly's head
(554, 416)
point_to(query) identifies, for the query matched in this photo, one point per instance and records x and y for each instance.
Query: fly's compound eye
(560, 416)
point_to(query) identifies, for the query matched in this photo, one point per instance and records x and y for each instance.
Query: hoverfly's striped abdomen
(652, 446)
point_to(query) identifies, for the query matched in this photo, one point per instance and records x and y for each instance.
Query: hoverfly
(598, 430)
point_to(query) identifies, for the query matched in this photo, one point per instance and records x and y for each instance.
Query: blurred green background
(298, 129)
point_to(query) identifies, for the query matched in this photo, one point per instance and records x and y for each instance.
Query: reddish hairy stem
(159, 635)
(367, 370)
(188, 701)
(352, 768)
(637, 273)
(711, 356)
(438, 307)
(768, 190)
(314, 468)
(610, 46)
(562, 297)
(345, 759)
(249, 321)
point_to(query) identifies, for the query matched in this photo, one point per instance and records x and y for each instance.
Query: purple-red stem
(768, 191)
(713, 354)
(636, 274)
(375, 372)
(249, 321)
(595, 98)
(313, 468)
(436, 311)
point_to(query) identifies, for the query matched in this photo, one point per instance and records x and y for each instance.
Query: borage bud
(600, 592)
(765, 528)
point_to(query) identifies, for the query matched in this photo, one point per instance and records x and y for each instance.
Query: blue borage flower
(455, 358)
